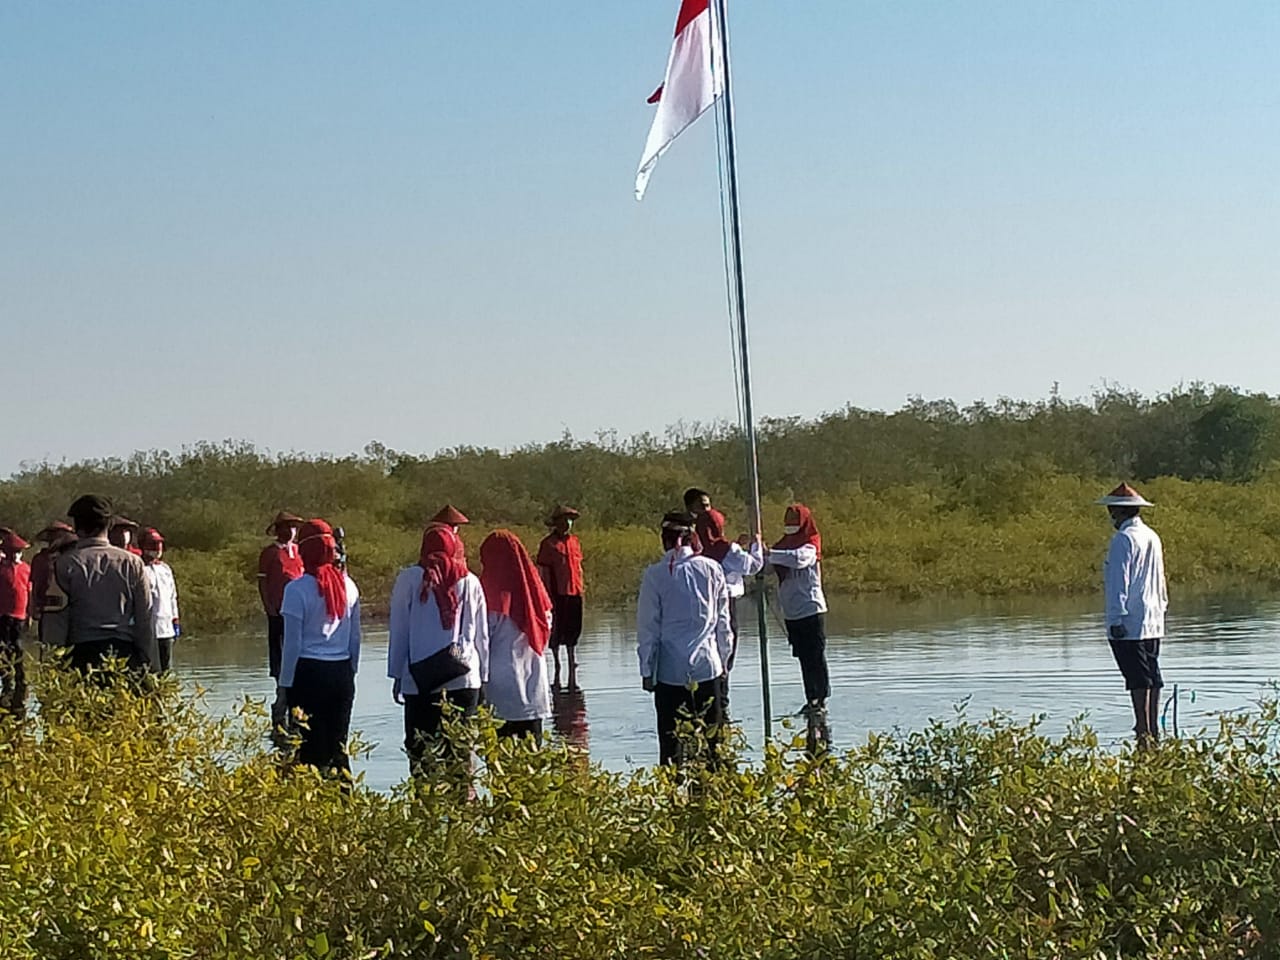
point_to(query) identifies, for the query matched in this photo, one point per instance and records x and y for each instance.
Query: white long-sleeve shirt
(164, 598)
(518, 687)
(682, 620)
(310, 634)
(416, 633)
(738, 565)
(1134, 583)
(800, 593)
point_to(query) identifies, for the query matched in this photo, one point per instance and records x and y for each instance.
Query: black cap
(677, 520)
(91, 511)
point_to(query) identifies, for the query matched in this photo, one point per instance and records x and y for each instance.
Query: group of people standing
(90, 589)
(455, 638)
(460, 639)
(687, 618)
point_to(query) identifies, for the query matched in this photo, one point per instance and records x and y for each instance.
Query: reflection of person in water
(569, 709)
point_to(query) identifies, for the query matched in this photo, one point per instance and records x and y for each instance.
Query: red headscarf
(319, 550)
(443, 564)
(709, 528)
(807, 535)
(513, 588)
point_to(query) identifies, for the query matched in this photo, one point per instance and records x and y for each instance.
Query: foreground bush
(137, 827)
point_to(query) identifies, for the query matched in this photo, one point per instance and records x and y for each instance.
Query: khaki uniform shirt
(108, 598)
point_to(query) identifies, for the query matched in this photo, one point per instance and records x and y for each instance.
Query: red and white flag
(694, 81)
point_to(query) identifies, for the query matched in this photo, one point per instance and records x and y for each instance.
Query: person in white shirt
(164, 595)
(738, 564)
(1136, 600)
(797, 560)
(520, 624)
(321, 650)
(683, 637)
(436, 604)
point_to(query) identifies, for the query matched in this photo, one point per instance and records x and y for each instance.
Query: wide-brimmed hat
(12, 541)
(450, 516)
(1124, 496)
(55, 530)
(562, 512)
(284, 516)
(119, 520)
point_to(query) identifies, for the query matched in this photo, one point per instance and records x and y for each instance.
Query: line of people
(89, 589)
(454, 637)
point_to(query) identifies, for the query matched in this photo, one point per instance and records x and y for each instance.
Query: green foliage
(931, 499)
(134, 826)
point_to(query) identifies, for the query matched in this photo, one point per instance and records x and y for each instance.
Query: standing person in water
(321, 651)
(279, 564)
(737, 563)
(519, 630)
(164, 595)
(15, 602)
(452, 519)
(697, 503)
(436, 604)
(797, 560)
(55, 537)
(560, 562)
(1136, 600)
(683, 638)
(124, 534)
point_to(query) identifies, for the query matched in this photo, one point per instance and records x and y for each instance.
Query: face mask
(791, 528)
(568, 525)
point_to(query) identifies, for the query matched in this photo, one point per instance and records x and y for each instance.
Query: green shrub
(137, 827)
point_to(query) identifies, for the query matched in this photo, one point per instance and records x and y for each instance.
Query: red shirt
(15, 589)
(562, 555)
(277, 566)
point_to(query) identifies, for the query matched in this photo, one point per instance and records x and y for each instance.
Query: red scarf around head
(442, 569)
(807, 535)
(319, 550)
(709, 528)
(513, 588)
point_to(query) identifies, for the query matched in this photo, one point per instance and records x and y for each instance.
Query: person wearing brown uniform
(108, 597)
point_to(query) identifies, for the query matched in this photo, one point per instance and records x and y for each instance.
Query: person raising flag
(797, 560)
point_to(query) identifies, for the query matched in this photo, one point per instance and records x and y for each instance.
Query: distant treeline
(928, 467)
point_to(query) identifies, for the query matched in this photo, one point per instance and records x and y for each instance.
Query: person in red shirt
(15, 588)
(560, 563)
(706, 518)
(279, 563)
(55, 537)
(123, 533)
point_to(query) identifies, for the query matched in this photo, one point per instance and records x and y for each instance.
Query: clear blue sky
(311, 225)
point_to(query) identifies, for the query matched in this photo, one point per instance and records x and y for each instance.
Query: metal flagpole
(740, 307)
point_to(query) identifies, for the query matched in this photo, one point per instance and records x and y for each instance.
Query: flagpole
(744, 360)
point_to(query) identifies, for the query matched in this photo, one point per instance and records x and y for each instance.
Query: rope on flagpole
(731, 220)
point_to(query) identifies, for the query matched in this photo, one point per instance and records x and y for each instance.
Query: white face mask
(791, 528)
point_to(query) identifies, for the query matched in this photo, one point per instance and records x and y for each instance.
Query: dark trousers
(92, 654)
(423, 715)
(566, 621)
(324, 691)
(521, 728)
(733, 655)
(275, 644)
(13, 675)
(165, 646)
(808, 639)
(704, 702)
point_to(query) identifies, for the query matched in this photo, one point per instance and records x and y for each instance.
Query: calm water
(891, 666)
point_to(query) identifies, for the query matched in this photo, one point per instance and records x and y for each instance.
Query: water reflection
(569, 709)
(892, 666)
